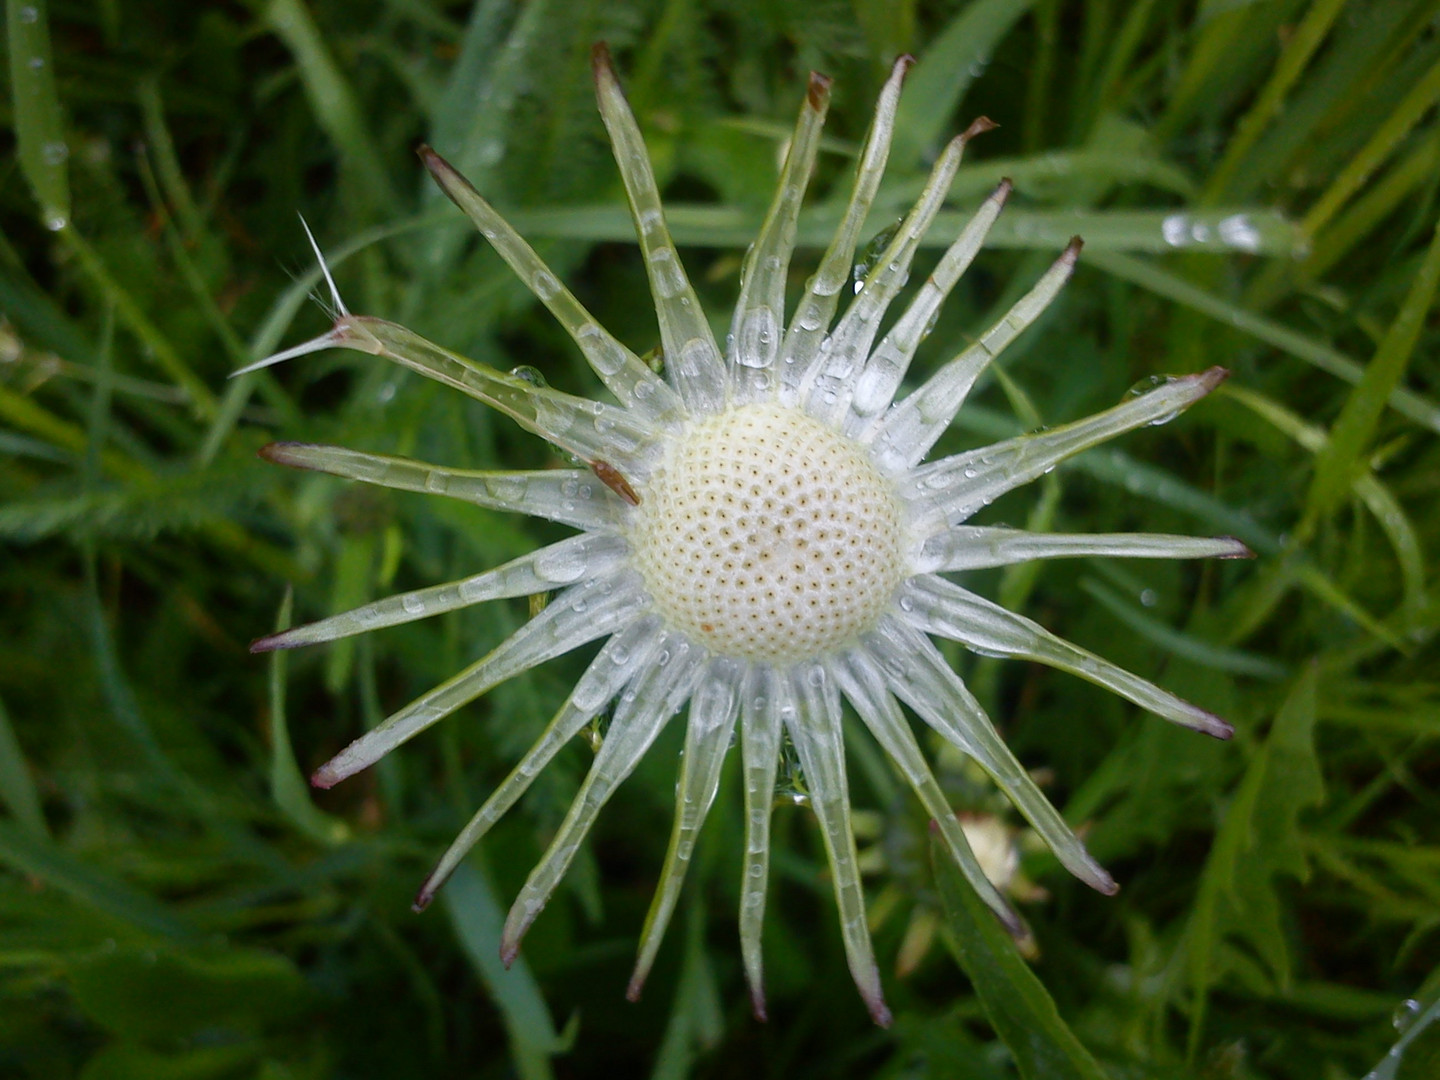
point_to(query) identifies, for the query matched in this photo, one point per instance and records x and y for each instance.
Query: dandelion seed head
(760, 539)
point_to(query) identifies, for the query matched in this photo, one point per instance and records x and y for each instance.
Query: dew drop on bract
(528, 374)
(871, 255)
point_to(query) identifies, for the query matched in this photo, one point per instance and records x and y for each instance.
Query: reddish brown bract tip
(818, 93)
(978, 126)
(279, 453)
(600, 60)
(1210, 378)
(1242, 549)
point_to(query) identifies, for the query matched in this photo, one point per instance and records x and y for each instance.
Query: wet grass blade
(39, 131)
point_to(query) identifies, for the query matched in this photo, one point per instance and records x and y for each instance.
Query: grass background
(1257, 186)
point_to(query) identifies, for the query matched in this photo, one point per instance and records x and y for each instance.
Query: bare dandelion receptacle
(757, 535)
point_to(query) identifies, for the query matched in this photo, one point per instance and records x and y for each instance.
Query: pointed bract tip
(1217, 728)
(978, 126)
(268, 643)
(325, 777)
(449, 179)
(509, 950)
(1072, 249)
(600, 62)
(817, 95)
(903, 63)
(879, 1011)
(281, 453)
(1210, 378)
(1011, 921)
(1240, 549)
(757, 1004)
(1107, 885)
(428, 888)
(632, 992)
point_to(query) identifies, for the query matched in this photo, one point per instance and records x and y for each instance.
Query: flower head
(758, 535)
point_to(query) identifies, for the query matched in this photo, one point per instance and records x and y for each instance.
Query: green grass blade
(944, 73)
(1017, 1004)
(1258, 839)
(477, 919)
(288, 786)
(39, 130)
(336, 107)
(28, 855)
(1340, 460)
(1172, 287)
(17, 787)
(1396, 125)
(1299, 48)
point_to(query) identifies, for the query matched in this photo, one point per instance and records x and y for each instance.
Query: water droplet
(55, 152)
(1147, 385)
(545, 285)
(532, 375)
(561, 564)
(1239, 231)
(1148, 597)
(871, 254)
(29, 14)
(665, 271)
(36, 63)
(1405, 1014)
(808, 319)
(759, 331)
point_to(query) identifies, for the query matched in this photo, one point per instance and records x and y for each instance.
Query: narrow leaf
(1017, 1004)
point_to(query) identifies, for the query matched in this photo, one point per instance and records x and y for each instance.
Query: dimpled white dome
(766, 535)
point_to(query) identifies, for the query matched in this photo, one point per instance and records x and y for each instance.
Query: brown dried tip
(1242, 549)
(446, 176)
(978, 126)
(423, 897)
(612, 478)
(268, 643)
(1210, 378)
(1003, 189)
(1072, 249)
(903, 63)
(819, 90)
(600, 62)
(278, 453)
